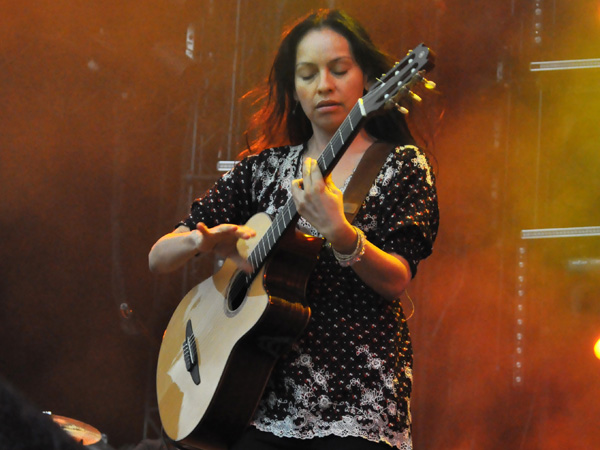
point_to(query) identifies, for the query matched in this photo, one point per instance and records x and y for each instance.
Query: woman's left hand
(321, 203)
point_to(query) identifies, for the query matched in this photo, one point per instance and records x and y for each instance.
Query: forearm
(386, 273)
(173, 250)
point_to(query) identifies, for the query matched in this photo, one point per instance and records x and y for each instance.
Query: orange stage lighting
(597, 349)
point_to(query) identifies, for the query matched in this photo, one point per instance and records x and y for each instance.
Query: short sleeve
(410, 217)
(228, 201)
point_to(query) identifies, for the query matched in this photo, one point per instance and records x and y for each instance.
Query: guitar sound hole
(237, 291)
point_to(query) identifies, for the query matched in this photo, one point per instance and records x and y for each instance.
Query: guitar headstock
(397, 82)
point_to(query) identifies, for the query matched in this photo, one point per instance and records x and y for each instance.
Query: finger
(203, 229)
(244, 232)
(330, 184)
(297, 192)
(315, 172)
(298, 184)
(315, 178)
(210, 234)
(224, 228)
(311, 170)
(306, 167)
(307, 174)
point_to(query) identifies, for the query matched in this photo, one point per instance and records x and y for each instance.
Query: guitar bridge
(190, 353)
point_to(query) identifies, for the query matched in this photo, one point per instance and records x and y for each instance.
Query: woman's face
(328, 80)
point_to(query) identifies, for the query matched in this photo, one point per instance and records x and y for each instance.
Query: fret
(339, 132)
(331, 153)
(344, 131)
(271, 238)
(277, 224)
(272, 235)
(356, 115)
(261, 249)
(325, 158)
(265, 243)
(291, 212)
(252, 261)
(336, 147)
(273, 230)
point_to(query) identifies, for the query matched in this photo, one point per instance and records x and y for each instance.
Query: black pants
(252, 439)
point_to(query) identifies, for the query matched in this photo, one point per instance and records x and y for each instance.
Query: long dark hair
(281, 121)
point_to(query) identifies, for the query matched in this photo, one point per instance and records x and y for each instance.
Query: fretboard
(288, 215)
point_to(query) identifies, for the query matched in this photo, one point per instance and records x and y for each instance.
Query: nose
(325, 82)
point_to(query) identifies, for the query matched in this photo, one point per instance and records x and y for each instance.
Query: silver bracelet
(354, 257)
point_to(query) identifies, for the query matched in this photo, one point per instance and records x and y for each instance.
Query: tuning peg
(415, 97)
(429, 84)
(402, 109)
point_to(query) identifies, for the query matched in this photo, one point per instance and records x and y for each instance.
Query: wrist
(195, 238)
(345, 239)
(347, 259)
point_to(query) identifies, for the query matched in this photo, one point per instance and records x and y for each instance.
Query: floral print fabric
(350, 373)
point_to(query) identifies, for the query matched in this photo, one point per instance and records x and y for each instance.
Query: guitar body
(236, 336)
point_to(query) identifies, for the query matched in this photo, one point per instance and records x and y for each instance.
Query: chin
(330, 126)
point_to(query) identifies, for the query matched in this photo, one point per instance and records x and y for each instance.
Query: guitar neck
(288, 215)
(342, 139)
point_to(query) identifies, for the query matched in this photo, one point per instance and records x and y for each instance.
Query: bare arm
(321, 203)
(387, 273)
(174, 249)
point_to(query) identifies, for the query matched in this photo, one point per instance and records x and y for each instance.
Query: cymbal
(81, 432)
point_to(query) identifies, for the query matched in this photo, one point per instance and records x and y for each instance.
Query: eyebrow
(333, 61)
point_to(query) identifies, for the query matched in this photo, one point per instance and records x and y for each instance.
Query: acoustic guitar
(227, 333)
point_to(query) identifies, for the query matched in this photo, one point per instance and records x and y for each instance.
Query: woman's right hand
(222, 241)
(173, 250)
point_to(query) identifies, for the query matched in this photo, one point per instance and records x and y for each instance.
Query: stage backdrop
(116, 114)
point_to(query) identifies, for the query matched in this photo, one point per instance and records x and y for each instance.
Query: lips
(327, 104)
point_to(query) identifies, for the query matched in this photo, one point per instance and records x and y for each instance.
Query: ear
(367, 83)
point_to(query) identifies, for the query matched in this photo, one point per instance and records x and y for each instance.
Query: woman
(346, 382)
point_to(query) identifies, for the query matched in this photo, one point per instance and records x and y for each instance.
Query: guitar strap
(364, 176)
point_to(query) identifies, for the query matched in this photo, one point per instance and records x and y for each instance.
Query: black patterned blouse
(350, 374)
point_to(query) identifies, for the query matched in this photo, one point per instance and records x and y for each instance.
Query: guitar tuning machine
(415, 97)
(402, 109)
(429, 84)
